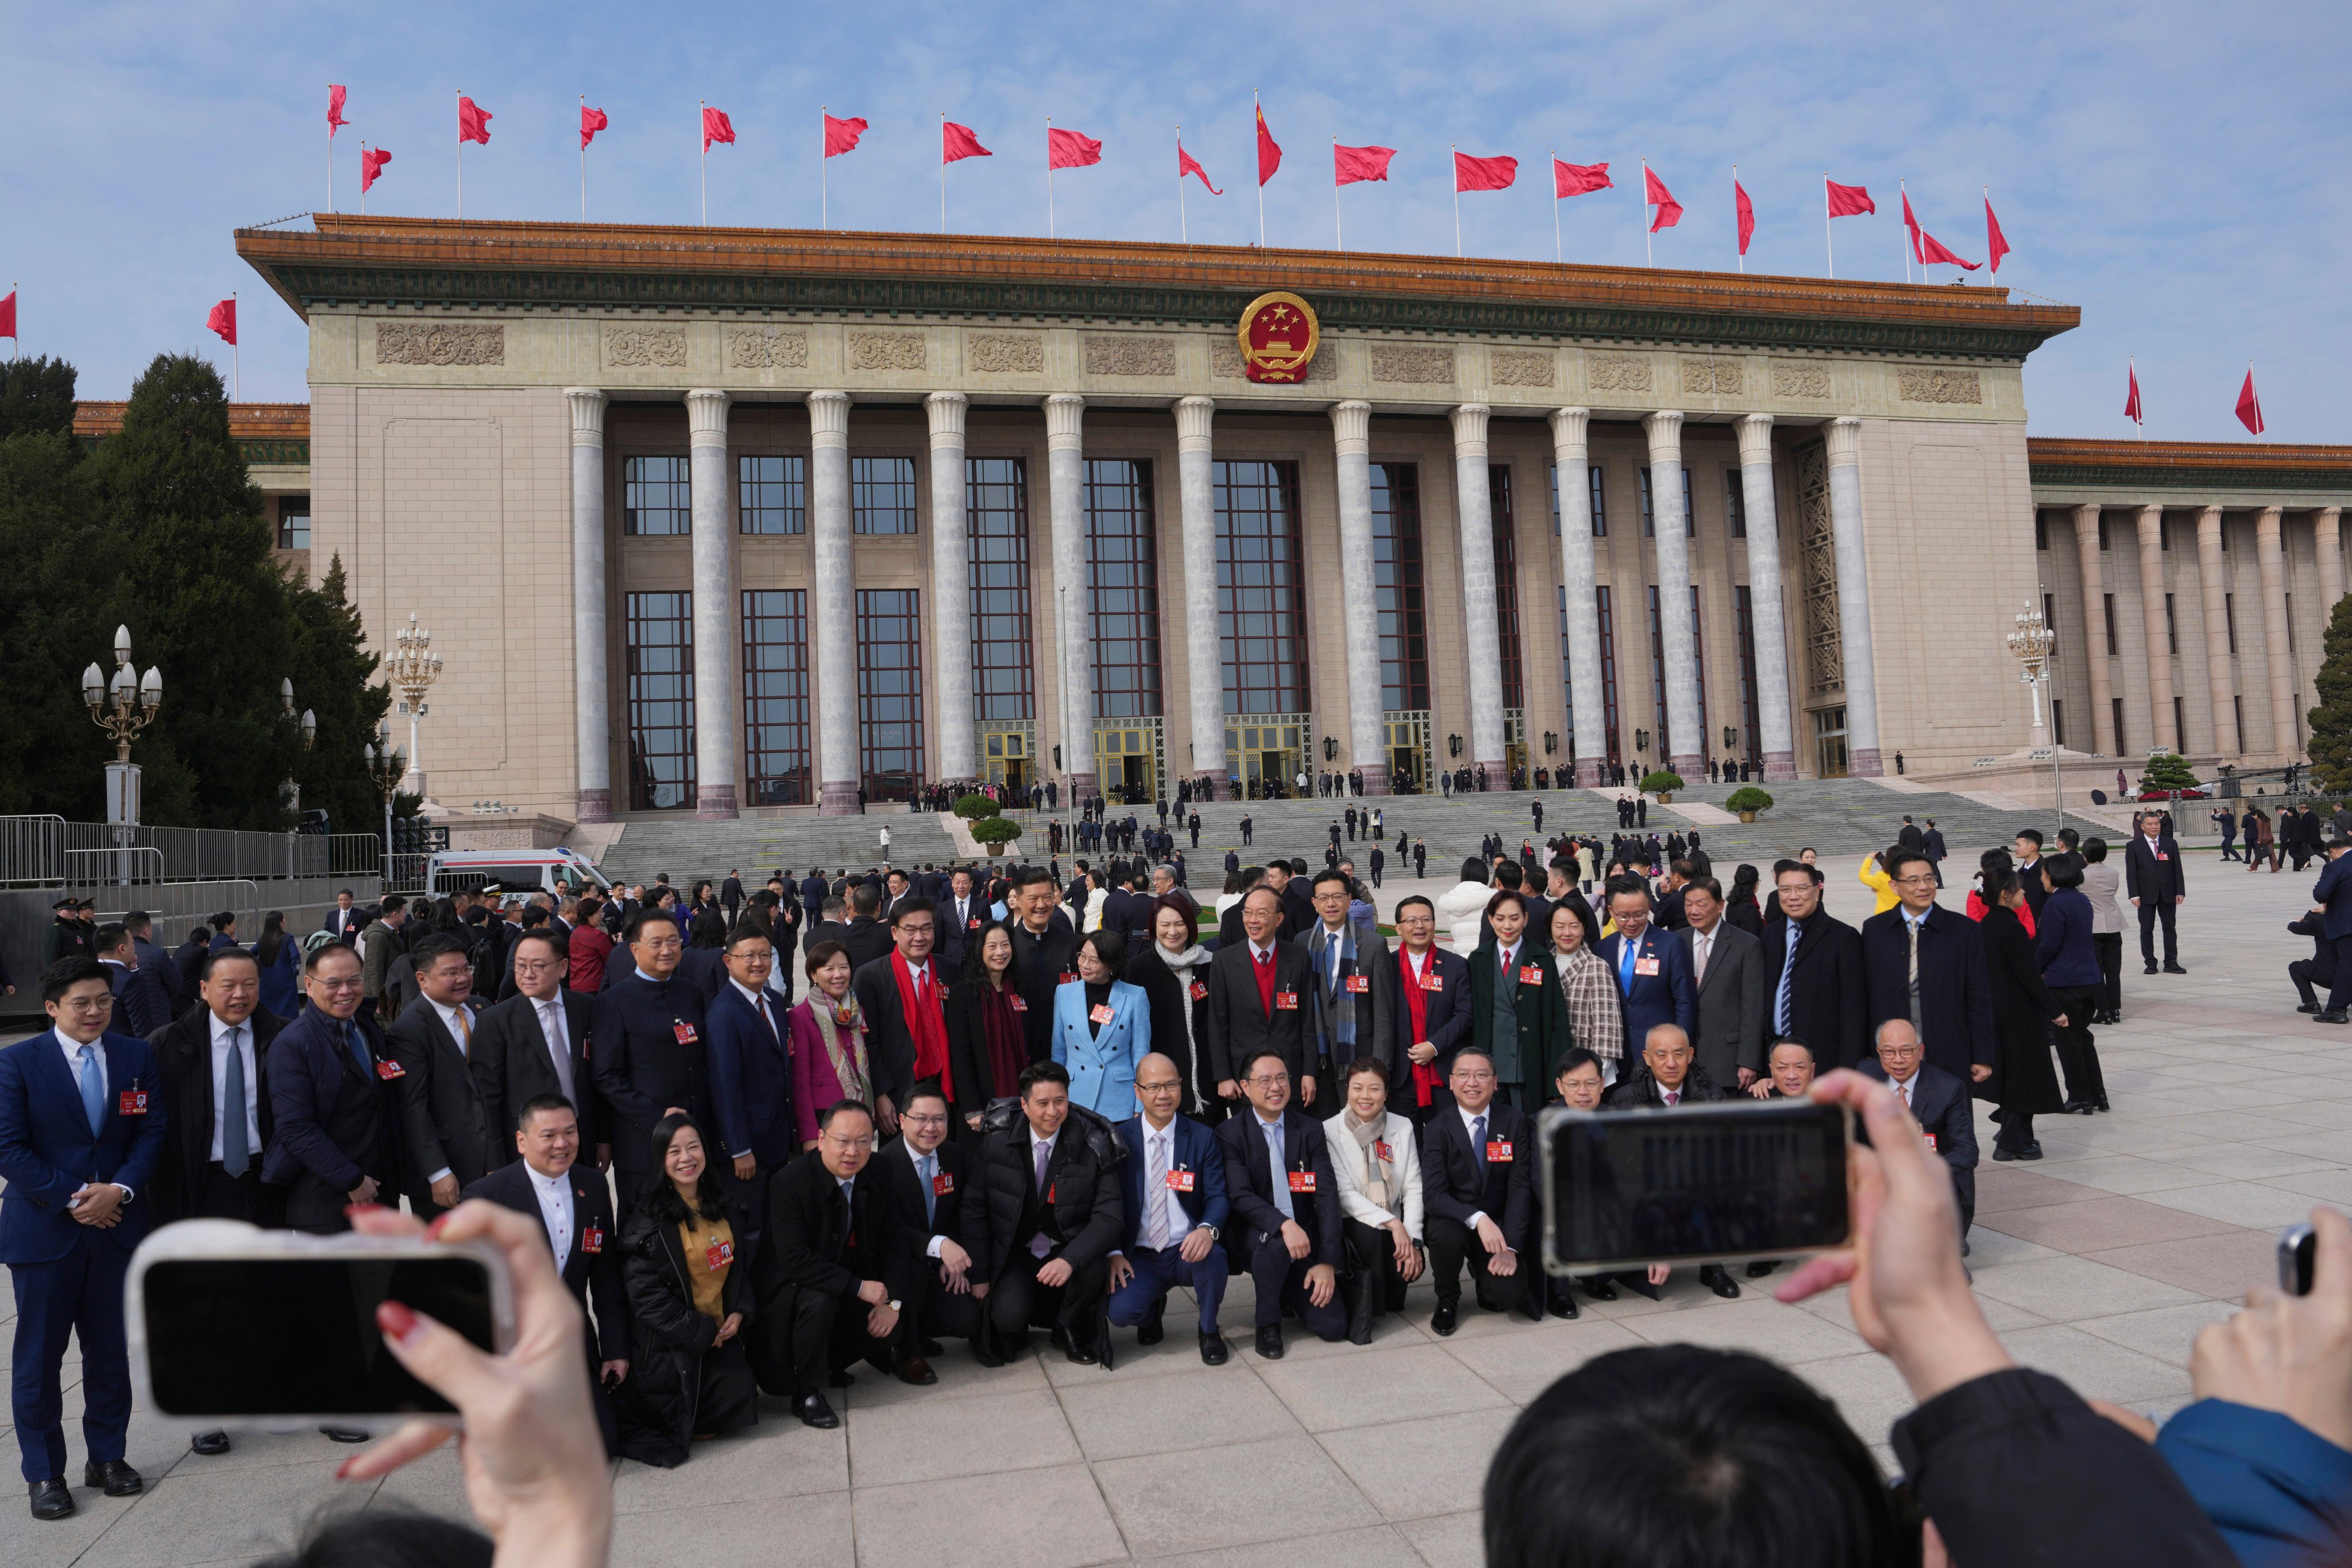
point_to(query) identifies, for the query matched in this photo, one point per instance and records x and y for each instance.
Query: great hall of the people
(729, 520)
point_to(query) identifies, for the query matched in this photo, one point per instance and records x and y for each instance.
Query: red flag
(1070, 150)
(1350, 164)
(1996, 243)
(841, 135)
(334, 110)
(1670, 211)
(1849, 201)
(371, 162)
(716, 127)
(1269, 156)
(1578, 179)
(592, 121)
(2249, 406)
(8, 315)
(473, 121)
(2131, 398)
(1926, 248)
(224, 320)
(960, 142)
(1746, 215)
(1484, 174)
(1188, 164)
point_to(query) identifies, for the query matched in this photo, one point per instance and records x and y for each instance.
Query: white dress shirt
(220, 1033)
(73, 1071)
(460, 1030)
(1040, 1244)
(1160, 1146)
(555, 1208)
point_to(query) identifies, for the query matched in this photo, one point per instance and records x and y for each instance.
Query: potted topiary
(996, 832)
(1748, 800)
(1663, 784)
(976, 807)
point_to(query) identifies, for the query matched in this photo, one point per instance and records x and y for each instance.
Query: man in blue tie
(927, 1177)
(81, 1127)
(1654, 970)
(1176, 1210)
(1285, 1207)
(332, 1144)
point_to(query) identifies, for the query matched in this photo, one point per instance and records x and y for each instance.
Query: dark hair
(1743, 882)
(913, 904)
(819, 955)
(224, 920)
(709, 928)
(1707, 885)
(1996, 880)
(866, 899)
(205, 966)
(2063, 871)
(273, 938)
(1036, 1073)
(1372, 1064)
(1269, 893)
(660, 1198)
(1410, 899)
(1110, 950)
(2095, 850)
(317, 956)
(744, 932)
(1573, 1058)
(1676, 1454)
(1029, 875)
(1508, 875)
(1474, 869)
(391, 903)
(1460, 1051)
(824, 1117)
(1258, 1056)
(1995, 860)
(548, 1101)
(1329, 874)
(1621, 884)
(2033, 835)
(1508, 896)
(1896, 858)
(138, 921)
(927, 1089)
(427, 953)
(111, 935)
(69, 971)
(645, 917)
(1782, 868)
(545, 938)
(386, 1537)
(1778, 1040)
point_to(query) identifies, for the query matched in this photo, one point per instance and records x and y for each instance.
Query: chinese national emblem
(1278, 334)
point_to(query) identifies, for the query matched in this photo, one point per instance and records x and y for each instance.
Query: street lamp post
(2030, 642)
(123, 707)
(412, 668)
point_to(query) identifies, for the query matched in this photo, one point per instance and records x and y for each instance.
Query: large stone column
(1351, 426)
(1474, 509)
(2326, 538)
(1588, 715)
(1685, 747)
(592, 692)
(2282, 659)
(717, 618)
(950, 617)
(1861, 748)
(833, 606)
(2213, 582)
(2095, 629)
(1764, 595)
(1204, 664)
(2160, 642)
(1074, 603)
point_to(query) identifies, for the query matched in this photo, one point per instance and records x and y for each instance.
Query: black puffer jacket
(656, 1406)
(1082, 1178)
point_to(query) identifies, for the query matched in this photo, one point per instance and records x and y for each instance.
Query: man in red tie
(900, 994)
(1259, 1000)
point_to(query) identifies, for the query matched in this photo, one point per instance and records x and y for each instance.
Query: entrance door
(1829, 743)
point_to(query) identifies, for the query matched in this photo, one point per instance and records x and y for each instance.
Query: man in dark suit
(334, 1136)
(1431, 1017)
(1669, 1076)
(1045, 1212)
(925, 1176)
(1811, 961)
(535, 1043)
(2332, 941)
(832, 1278)
(446, 1133)
(1233, 861)
(962, 914)
(1352, 990)
(2027, 846)
(1947, 993)
(812, 892)
(1285, 1207)
(2154, 882)
(142, 1005)
(1176, 1211)
(866, 938)
(1910, 837)
(752, 1072)
(903, 995)
(731, 895)
(1285, 877)
(1258, 1001)
(81, 1130)
(575, 1209)
(1477, 1182)
(1652, 966)
(649, 1056)
(342, 921)
(1932, 845)
(1045, 948)
(141, 926)
(1727, 986)
(1938, 1101)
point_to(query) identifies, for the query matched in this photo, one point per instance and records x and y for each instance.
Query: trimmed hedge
(1661, 782)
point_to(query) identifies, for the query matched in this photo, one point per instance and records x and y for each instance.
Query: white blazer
(1350, 1168)
(1463, 907)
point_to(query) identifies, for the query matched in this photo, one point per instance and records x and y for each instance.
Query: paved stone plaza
(2099, 1264)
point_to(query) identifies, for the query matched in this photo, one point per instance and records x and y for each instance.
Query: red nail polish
(396, 1319)
(433, 1231)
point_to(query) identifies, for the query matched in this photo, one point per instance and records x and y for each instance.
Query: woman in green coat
(1517, 1015)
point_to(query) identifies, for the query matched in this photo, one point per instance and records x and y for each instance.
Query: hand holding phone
(2291, 1353)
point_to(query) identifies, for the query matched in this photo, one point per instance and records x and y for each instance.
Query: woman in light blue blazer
(1102, 1028)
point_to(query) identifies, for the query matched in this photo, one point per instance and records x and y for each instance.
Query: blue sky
(2178, 171)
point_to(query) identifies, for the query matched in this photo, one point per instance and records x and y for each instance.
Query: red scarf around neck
(1425, 1075)
(926, 1025)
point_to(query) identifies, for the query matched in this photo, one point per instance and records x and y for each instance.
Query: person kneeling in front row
(1045, 1215)
(1286, 1205)
(1176, 1210)
(1379, 1169)
(1478, 1180)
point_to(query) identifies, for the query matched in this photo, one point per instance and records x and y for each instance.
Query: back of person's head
(2094, 851)
(383, 1537)
(1678, 1457)
(1474, 870)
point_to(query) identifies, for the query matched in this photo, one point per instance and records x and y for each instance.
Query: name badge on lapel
(1067, 976)
(719, 1255)
(1645, 966)
(1285, 1001)
(684, 1031)
(388, 1069)
(1180, 1181)
(1498, 1150)
(972, 924)
(1530, 975)
(1432, 981)
(591, 1239)
(1381, 1150)
(1051, 1189)
(943, 1185)
(1302, 1181)
(1019, 1003)
(132, 1103)
(1199, 990)
(1099, 1014)
(1930, 1137)
(1359, 983)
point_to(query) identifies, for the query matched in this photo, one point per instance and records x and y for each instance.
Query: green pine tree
(2331, 721)
(2167, 770)
(51, 756)
(37, 397)
(332, 667)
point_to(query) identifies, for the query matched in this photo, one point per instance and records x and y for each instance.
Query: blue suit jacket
(1196, 1151)
(1102, 1067)
(2334, 888)
(751, 1077)
(1669, 996)
(47, 1153)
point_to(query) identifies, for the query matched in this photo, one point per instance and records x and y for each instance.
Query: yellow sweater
(1873, 876)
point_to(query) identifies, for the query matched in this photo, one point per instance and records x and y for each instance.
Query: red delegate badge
(942, 1184)
(721, 1254)
(1302, 1181)
(1285, 1001)
(1199, 990)
(1099, 1014)
(1530, 975)
(132, 1103)
(591, 1239)
(1020, 1003)
(1359, 983)
(1498, 1148)
(389, 1069)
(1380, 1150)
(683, 1030)
(1432, 981)
(1180, 1181)
(1645, 966)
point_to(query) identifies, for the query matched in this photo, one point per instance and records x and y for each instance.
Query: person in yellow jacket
(1873, 875)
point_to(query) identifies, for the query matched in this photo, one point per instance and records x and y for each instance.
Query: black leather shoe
(915, 1370)
(931, 1347)
(2149, 970)
(1717, 1278)
(2333, 1015)
(1213, 1350)
(841, 1380)
(343, 1434)
(1080, 1350)
(2101, 1103)
(1563, 1305)
(1269, 1341)
(1597, 1286)
(2306, 1008)
(1059, 1338)
(1761, 1266)
(2174, 969)
(51, 1499)
(2031, 1151)
(1444, 1320)
(208, 1443)
(811, 1405)
(2074, 1107)
(115, 1478)
(2003, 1152)
(1152, 1330)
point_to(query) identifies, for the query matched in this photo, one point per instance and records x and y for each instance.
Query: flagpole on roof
(1649, 245)
(1452, 152)
(1904, 186)
(461, 155)
(236, 357)
(1049, 178)
(1258, 118)
(1183, 222)
(702, 103)
(823, 205)
(583, 162)
(1828, 243)
(1557, 254)
(1740, 247)
(1339, 240)
(943, 170)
